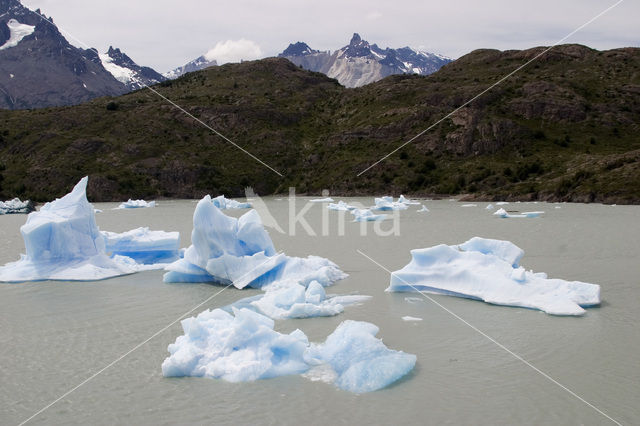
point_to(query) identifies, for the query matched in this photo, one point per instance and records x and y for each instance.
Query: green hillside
(564, 128)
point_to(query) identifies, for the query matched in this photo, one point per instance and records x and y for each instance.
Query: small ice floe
(489, 270)
(340, 206)
(387, 203)
(469, 205)
(136, 204)
(423, 209)
(502, 203)
(322, 200)
(243, 346)
(410, 318)
(489, 207)
(366, 215)
(407, 201)
(224, 203)
(63, 242)
(502, 213)
(16, 206)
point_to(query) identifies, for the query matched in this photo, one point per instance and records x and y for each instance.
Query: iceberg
(225, 204)
(340, 206)
(489, 207)
(361, 362)
(423, 209)
(387, 203)
(287, 299)
(469, 205)
(410, 318)
(322, 200)
(404, 200)
(144, 246)
(63, 242)
(366, 215)
(16, 206)
(226, 250)
(136, 204)
(243, 346)
(502, 213)
(489, 270)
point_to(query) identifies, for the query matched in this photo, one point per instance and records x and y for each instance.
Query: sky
(165, 34)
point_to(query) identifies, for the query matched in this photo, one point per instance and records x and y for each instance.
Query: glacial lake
(54, 335)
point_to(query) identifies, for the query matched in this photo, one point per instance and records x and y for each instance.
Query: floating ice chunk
(243, 346)
(237, 348)
(136, 204)
(366, 215)
(489, 207)
(144, 246)
(409, 318)
(341, 206)
(322, 200)
(503, 214)
(63, 243)
(423, 209)
(469, 205)
(404, 200)
(16, 206)
(387, 203)
(361, 361)
(227, 250)
(502, 203)
(488, 270)
(225, 204)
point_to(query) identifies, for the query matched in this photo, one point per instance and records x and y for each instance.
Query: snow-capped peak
(18, 32)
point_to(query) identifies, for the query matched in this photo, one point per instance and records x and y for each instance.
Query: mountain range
(361, 63)
(563, 128)
(40, 68)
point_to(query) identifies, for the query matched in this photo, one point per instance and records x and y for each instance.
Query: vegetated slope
(563, 128)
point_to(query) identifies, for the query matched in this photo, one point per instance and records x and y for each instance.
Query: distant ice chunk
(225, 204)
(502, 203)
(502, 213)
(16, 206)
(243, 346)
(322, 200)
(469, 205)
(361, 361)
(423, 209)
(410, 318)
(489, 207)
(489, 270)
(144, 246)
(136, 204)
(366, 215)
(340, 206)
(407, 201)
(387, 203)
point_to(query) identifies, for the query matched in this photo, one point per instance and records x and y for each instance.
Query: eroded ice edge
(488, 270)
(239, 342)
(63, 242)
(136, 204)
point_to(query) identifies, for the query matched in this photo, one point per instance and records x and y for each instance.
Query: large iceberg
(243, 346)
(16, 206)
(489, 270)
(136, 204)
(224, 203)
(63, 242)
(144, 246)
(227, 250)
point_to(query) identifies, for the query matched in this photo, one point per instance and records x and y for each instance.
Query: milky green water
(54, 335)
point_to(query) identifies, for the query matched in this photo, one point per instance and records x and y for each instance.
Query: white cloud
(234, 51)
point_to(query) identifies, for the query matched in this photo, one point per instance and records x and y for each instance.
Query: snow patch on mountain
(18, 32)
